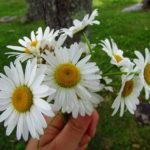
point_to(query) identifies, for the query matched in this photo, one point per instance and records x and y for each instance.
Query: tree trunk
(60, 13)
(57, 13)
(34, 11)
(146, 4)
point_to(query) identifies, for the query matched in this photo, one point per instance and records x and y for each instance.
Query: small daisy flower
(81, 25)
(22, 100)
(34, 47)
(128, 95)
(144, 69)
(117, 58)
(74, 79)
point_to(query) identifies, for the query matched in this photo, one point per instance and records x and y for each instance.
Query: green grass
(129, 30)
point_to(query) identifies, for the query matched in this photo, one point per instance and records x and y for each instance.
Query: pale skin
(74, 135)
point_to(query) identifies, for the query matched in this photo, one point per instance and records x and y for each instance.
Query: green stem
(113, 84)
(135, 73)
(120, 73)
(114, 73)
(109, 68)
(87, 42)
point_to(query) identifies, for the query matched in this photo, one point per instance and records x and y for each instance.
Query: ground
(130, 30)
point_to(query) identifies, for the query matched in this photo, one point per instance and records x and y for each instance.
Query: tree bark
(57, 13)
(34, 11)
(60, 13)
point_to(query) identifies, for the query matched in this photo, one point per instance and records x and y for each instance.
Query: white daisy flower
(144, 69)
(39, 42)
(128, 95)
(81, 25)
(22, 100)
(74, 79)
(117, 58)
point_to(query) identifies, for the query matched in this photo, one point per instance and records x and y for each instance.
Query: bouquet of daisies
(65, 79)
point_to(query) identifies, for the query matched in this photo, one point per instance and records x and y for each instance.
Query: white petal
(19, 127)
(40, 89)
(81, 108)
(30, 126)
(18, 48)
(37, 81)
(83, 61)
(75, 111)
(6, 114)
(42, 104)
(84, 93)
(6, 85)
(20, 72)
(27, 40)
(122, 108)
(40, 116)
(77, 56)
(32, 75)
(33, 36)
(12, 122)
(5, 95)
(22, 42)
(25, 132)
(90, 71)
(27, 72)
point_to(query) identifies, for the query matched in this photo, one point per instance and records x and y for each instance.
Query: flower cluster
(55, 78)
(65, 79)
(134, 75)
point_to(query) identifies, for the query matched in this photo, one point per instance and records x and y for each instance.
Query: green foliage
(129, 30)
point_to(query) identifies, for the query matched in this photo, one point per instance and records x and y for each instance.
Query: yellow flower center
(147, 74)
(22, 99)
(33, 43)
(27, 51)
(128, 88)
(118, 58)
(67, 75)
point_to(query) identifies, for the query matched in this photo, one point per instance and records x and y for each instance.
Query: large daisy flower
(128, 95)
(39, 42)
(117, 58)
(74, 79)
(22, 100)
(144, 69)
(81, 25)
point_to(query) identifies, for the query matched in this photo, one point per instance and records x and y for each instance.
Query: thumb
(73, 132)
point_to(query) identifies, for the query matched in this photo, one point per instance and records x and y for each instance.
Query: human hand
(75, 135)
